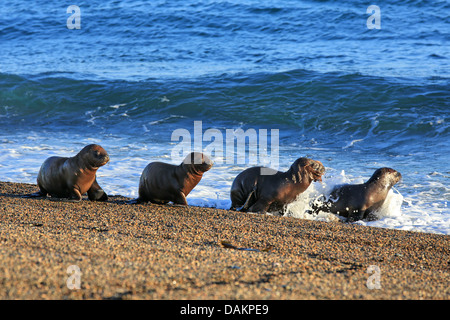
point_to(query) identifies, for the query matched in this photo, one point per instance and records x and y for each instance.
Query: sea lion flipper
(38, 194)
(75, 196)
(134, 201)
(64, 199)
(96, 193)
(260, 206)
(180, 199)
(247, 202)
(355, 215)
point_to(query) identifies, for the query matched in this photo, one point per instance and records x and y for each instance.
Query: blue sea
(317, 76)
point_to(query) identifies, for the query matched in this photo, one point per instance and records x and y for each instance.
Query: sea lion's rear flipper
(260, 206)
(180, 199)
(75, 196)
(39, 194)
(134, 201)
(64, 199)
(247, 203)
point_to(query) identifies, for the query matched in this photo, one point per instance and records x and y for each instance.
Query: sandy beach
(149, 251)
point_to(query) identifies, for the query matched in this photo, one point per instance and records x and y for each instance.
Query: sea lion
(162, 182)
(70, 178)
(256, 191)
(357, 201)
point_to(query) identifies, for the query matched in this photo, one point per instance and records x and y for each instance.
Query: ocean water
(311, 73)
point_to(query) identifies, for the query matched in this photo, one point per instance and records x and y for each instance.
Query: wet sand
(148, 251)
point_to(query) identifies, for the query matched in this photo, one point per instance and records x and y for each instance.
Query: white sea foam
(117, 106)
(169, 118)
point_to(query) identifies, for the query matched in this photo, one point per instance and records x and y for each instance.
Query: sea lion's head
(94, 156)
(386, 176)
(198, 162)
(312, 169)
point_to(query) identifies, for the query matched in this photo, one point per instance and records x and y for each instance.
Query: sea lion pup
(70, 178)
(261, 189)
(357, 201)
(162, 182)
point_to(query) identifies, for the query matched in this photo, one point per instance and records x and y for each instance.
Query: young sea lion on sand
(162, 182)
(254, 190)
(357, 201)
(70, 178)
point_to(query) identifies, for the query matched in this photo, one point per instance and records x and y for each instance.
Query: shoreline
(148, 251)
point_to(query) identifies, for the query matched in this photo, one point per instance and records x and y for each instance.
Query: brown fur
(70, 178)
(261, 190)
(357, 201)
(162, 182)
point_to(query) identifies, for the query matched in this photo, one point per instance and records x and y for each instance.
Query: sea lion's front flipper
(355, 215)
(96, 193)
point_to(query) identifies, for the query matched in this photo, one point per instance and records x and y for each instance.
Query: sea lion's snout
(393, 173)
(201, 161)
(205, 165)
(105, 159)
(101, 156)
(318, 170)
(399, 176)
(207, 161)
